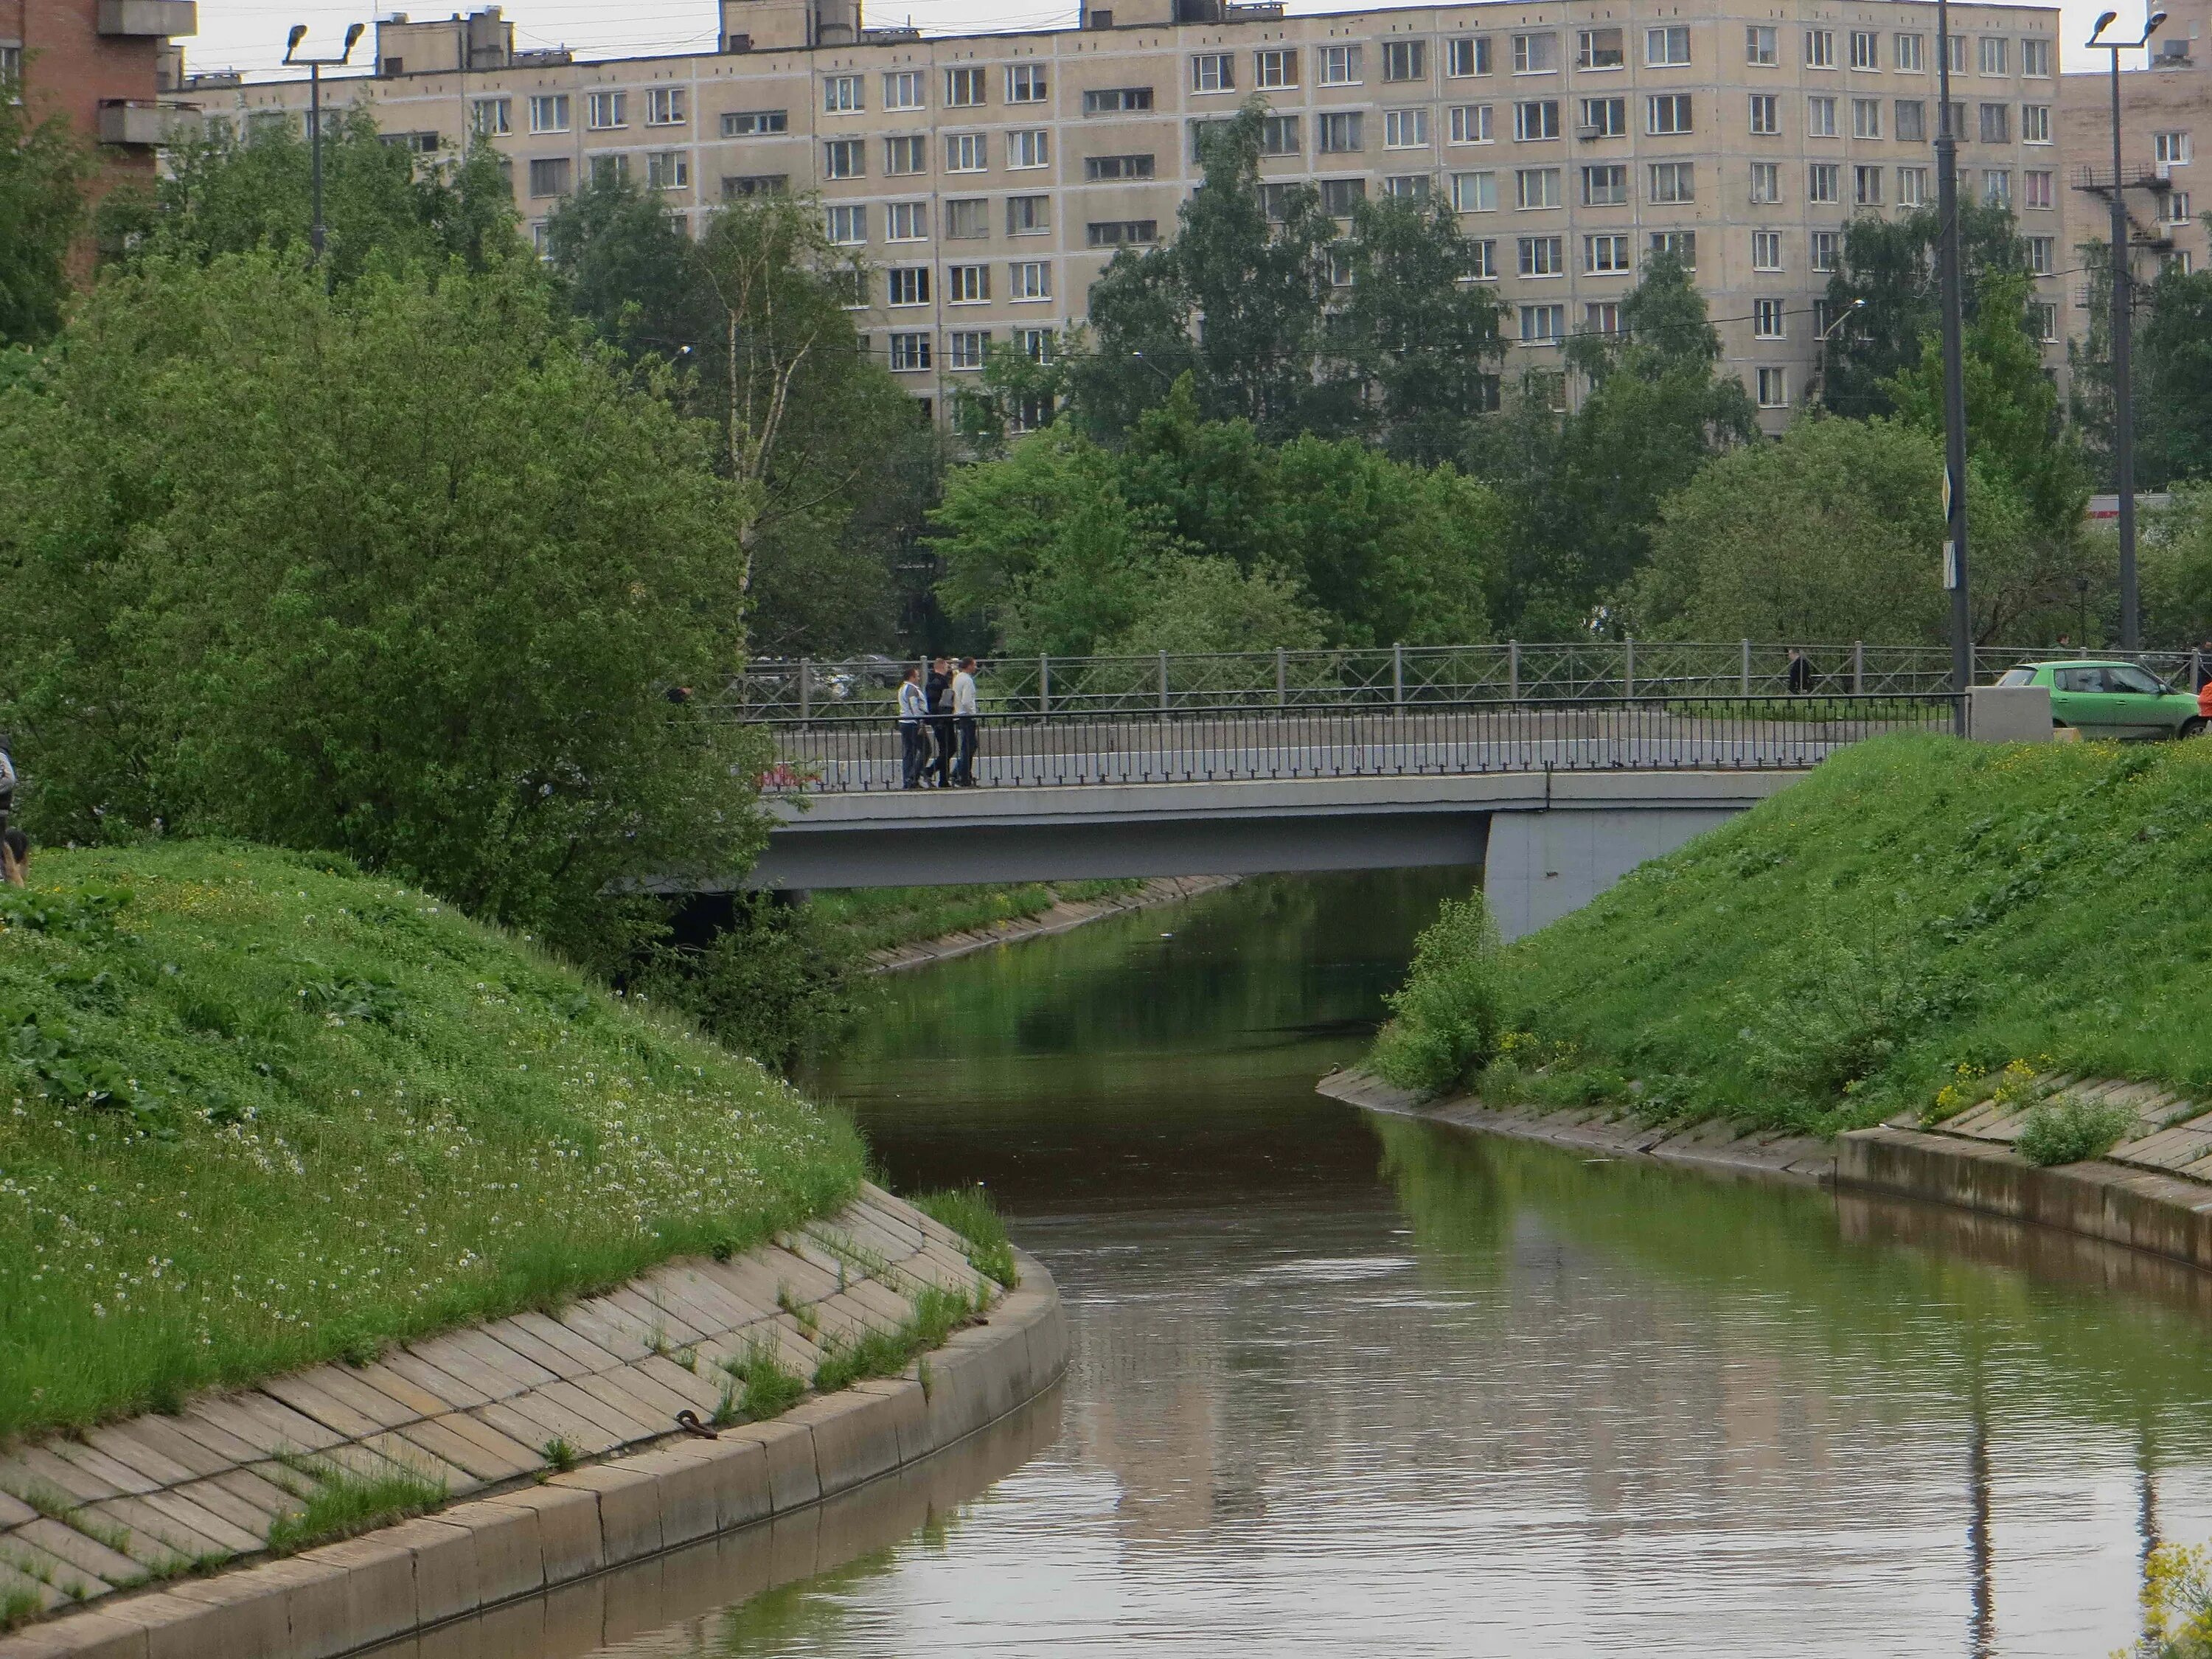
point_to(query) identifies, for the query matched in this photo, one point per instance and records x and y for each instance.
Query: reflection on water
(1345, 1384)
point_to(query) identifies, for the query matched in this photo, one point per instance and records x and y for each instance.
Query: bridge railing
(859, 747)
(1061, 688)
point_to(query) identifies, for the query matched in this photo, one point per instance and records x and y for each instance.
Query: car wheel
(2191, 727)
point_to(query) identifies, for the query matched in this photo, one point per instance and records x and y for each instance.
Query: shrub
(1448, 1015)
(970, 1213)
(2068, 1132)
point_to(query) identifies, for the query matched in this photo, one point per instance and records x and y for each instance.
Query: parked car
(2111, 699)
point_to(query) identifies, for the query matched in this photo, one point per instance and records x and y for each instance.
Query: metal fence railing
(1390, 678)
(857, 746)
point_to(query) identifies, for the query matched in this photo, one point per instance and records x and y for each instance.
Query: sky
(249, 34)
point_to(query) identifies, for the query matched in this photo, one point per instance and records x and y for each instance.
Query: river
(1350, 1385)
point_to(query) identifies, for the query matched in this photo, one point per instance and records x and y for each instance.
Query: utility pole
(315, 66)
(1954, 382)
(2123, 307)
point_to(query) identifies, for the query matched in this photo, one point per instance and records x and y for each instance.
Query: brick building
(99, 63)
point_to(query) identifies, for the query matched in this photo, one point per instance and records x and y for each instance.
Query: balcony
(140, 125)
(164, 19)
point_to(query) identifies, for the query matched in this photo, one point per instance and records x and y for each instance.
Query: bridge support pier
(1540, 865)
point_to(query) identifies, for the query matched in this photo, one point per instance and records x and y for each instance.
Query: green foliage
(970, 1212)
(878, 918)
(2176, 554)
(401, 571)
(1446, 1019)
(43, 172)
(1888, 269)
(344, 1504)
(559, 1455)
(2177, 1605)
(2070, 1130)
(1193, 605)
(2172, 372)
(878, 1350)
(493, 1135)
(767, 1388)
(776, 978)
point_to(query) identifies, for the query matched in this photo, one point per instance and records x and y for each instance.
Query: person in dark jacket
(939, 691)
(1801, 673)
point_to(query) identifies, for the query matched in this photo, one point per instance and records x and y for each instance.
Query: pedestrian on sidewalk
(937, 689)
(1800, 672)
(964, 717)
(914, 740)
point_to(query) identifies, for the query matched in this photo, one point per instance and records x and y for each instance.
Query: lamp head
(352, 36)
(2151, 28)
(292, 41)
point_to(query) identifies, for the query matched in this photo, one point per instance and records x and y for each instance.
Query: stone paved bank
(90, 1521)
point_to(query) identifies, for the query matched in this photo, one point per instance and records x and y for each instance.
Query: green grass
(2069, 1131)
(18, 1607)
(880, 1351)
(969, 1211)
(344, 1505)
(1913, 918)
(257, 1111)
(881, 918)
(763, 1386)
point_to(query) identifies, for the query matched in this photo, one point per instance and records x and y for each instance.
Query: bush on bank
(1915, 915)
(259, 1111)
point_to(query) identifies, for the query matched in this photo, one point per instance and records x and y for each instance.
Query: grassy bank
(259, 1111)
(1908, 921)
(882, 918)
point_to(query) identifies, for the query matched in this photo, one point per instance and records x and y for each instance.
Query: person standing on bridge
(1800, 672)
(914, 742)
(964, 717)
(937, 689)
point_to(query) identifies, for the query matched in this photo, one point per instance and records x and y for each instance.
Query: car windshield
(2125, 677)
(2017, 676)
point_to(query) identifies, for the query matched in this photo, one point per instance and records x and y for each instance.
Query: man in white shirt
(963, 721)
(913, 741)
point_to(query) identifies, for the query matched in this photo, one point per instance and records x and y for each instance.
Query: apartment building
(99, 62)
(986, 180)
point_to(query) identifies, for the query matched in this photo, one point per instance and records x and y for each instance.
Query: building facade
(101, 65)
(986, 180)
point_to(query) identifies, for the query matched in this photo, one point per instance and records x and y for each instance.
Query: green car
(2111, 699)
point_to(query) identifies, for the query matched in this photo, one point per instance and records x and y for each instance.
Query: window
(668, 169)
(2175, 208)
(1537, 187)
(1997, 187)
(1200, 131)
(1405, 129)
(1996, 55)
(1543, 324)
(1537, 118)
(1674, 181)
(906, 221)
(1826, 245)
(966, 348)
(846, 226)
(738, 187)
(1768, 320)
(1667, 112)
(605, 110)
(909, 285)
(1765, 114)
(1278, 135)
(1029, 280)
(1866, 186)
(1541, 256)
(1602, 317)
(1213, 72)
(1340, 132)
(1469, 54)
(971, 152)
(2170, 149)
(1475, 192)
(964, 88)
(550, 176)
(902, 89)
(1866, 118)
(1956, 113)
(1604, 186)
(2035, 123)
(1122, 232)
(906, 155)
(1766, 181)
(1026, 83)
(1958, 54)
(1760, 45)
(1767, 250)
(1910, 55)
(1339, 196)
(967, 285)
(1996, 124)
(1482, 260)
(1774, 388)
(1605, 118)
(1408, 186)
(610, 169)
(1535, 54)
(2035, 58)
(1034, 344)
(2038, 189)
(756, 123)
(1116, 101)
(842, 158)
(1912, 187)
(2044, 318)
(1605, 256)
(1667, 47)
(967, 218)
(2042, 256)
(1029, 147)
(12, 65)
(1824, 182)
(840, 94)
(491, 117)
(1029, 215)
(909, 354)
(667, 107)
(1820, 48)
(1275, 68)
(1599, 49)
(2179, 262)
(1405, 60)
(549, 113)
(1339, 66)
(1820, 117)
(1098, 167)
(1470, 124)
(1340, 270)
(1911, 121)
(1866, 50)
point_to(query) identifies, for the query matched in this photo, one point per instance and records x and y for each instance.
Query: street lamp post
(1954, 382)
(1828, 334)
(2124, 413)
(315, 67)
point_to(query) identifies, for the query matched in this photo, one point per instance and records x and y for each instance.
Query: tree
(43, 170)
(403, 571)
(1191, 607)
(2177, 569)
(1890, 266)
(2173, 380)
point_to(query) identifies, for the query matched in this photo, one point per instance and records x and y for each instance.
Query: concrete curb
(480, 1554)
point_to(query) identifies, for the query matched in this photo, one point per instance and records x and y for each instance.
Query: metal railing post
(1858, 668)
(2196, 667)
(1397, 676)
(1628, 666)
(1163, 682)
(806, 689)
(1282, 677)
(1044, 688)
(1745, 675)
(1513, 671)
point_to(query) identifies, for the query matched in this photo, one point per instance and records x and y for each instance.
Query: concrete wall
(1539, 865)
